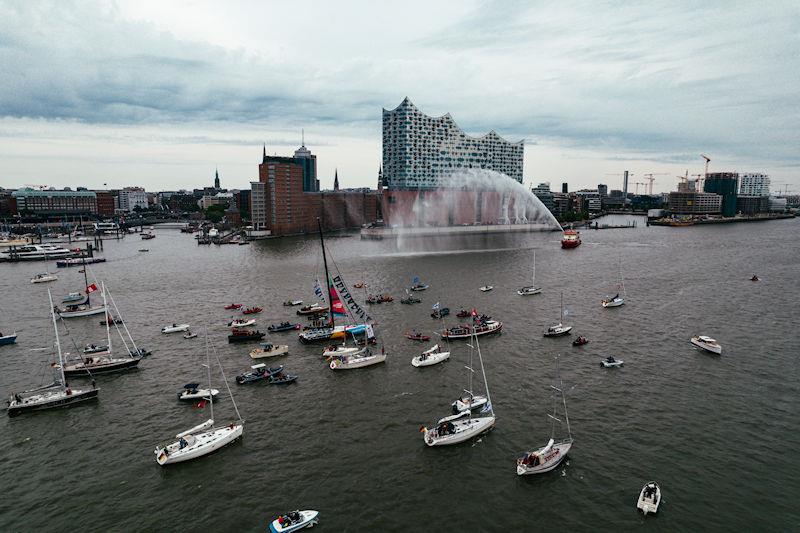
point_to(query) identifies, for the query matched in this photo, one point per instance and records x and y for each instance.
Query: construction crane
(697, 182)
(637, 183)
(708, 160)
(649, 177)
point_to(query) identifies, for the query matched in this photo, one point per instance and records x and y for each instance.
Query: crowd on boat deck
(445, 428)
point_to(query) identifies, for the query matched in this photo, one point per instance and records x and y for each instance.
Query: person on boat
(182, 443)
(754, 278)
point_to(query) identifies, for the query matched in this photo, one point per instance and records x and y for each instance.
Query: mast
(327, 277)
(483, 371)
(621, 280)
(534, 268)
(86, 284)
(561, 320)
(58, 340)
(108, 328)
(208, 368)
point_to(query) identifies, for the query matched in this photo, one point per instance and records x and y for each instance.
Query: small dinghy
(290, 303)
(240, 335)
(281, 378)
(283, 326)
(440, 313)
(313, 309)
(754, 278)
(463, 313)
(190, 335)
(191, 392)
(268, 349)
(73, 297)
(430, 357)
(469, 402)
(44, 278)
(252, 310)
(610, 362)
(420, 287)
(410, 299)
(234, 306)
(294, 521)
(93, 348)
(144, 250)
(241, 323)
(487, 288)
(649, 498)
(707, 343)
(414, 336)
(580, 341)
(258, 372)
(175, 328)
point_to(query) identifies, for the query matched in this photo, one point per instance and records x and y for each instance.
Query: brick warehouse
(280, 205)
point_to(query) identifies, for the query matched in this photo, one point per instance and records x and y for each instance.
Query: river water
(720, 434)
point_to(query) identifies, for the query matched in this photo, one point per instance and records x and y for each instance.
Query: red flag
(91, 288)
(474, 312)
(201, 403)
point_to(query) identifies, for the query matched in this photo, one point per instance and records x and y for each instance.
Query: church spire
(264, 160)
(336, 180)
(216, 178)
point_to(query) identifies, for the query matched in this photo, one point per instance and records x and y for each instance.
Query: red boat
(417, 337)
(252, 310)
(571, 239)
(234, 306)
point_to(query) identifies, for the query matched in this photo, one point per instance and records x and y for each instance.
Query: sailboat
(103, 361)
(532, 288)
(57, 394)
(363, 357)
(203, 438)
(463, 425)
(559, 329)
(46, 276)
(74, 310)
(551, 454)
(617, 300)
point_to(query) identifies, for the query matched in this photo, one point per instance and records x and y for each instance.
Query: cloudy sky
(158, 94)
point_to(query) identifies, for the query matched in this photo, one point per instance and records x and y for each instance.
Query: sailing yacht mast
(108, 317)
(208, 368)
(561, 320)
(621, 280)
(534, 269)
(86, 284)
(483, 371)
(327, 277)
(58, 340)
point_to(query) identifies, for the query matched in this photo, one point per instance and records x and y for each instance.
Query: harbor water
(719, 434)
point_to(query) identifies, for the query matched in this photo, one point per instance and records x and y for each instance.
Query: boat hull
(716, 350)
(8, 339)
(553, 458)
(465, 430)
(206, 442)
(115, 365)
(431, 359)
(82, 312)
(357, 362)
(53, 401)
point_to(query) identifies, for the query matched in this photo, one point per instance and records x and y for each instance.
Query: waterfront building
(221, 198)
(695, 203)
(726, 184)
(105, 203)
(130, 198)
(421, 152)
(752, 205)
(591, 200)
(777, 204)
(53, 202)
(544, 194)
(602, 189)
(753, 184)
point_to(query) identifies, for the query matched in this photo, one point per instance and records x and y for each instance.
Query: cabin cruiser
(557, 330)
(707, 343)
(36, 252)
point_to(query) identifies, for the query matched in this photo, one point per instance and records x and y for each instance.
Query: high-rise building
(132, 197)
(308, 161)
(564, 188)
(752, 184)
(726, 184)
(602, 189)
(543, 193)
(421, 152)
(625, 184)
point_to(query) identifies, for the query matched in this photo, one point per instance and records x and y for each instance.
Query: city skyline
(160, 95)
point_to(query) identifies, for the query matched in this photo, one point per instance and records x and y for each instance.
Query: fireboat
(571, 239)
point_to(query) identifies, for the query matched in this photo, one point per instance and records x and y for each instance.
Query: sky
(160, 94)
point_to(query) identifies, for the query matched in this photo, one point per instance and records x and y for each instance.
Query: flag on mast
(91, 288)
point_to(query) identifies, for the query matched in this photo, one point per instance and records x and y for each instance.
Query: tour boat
(551, 454)
(35, 252)
(242, 323)
(252, 310)
(531, 289)
(487, 288)
(559, 329)
(258, 372)
(649, 498)
(8, 339)
(204, 438)
(289, 303)
(44, 278)
(57, 394)
(466, 331)
(414, 336)
(238, 335)
(707, 343)
(611, 362)
(312, 309)
(431, 356)
(294, 521)
(175, 328)
(360, 359)
(616, 300)
(268, 349)
(463, 425)
(234, 306)
(571, 239)
(283, 326)
(191, 393)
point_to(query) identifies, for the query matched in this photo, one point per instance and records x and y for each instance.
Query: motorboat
(571, 239)
(190, 335)
(414, 336)
(175, 328)
(469, 402)
(465, 331)
(35, 252)
(360, 359)
(73, 297)
(431, 356)
(79, 261)
(252, 310)
(580, 341)
(559, 329)
(148, 236)
(8, 339)
(282, 378)
(258, 372)
(44, 278)
(93, 348)
(283, 326)
(649, 498)
(440, 313)
(267, 349)
(611, 362)
(191, 392)
(198, 442)
(290, 303)
(144, 249)
(487, 288)
(707, 343)
(294, 521)
(409, 299)
(242, 323)
(234, 306)
(457, 428)
(238, 335)
(312, 309)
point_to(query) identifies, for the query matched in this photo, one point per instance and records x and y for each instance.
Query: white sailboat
(465, 425)
(532, 288)
(559, 329)
(549, 456)
(359, 359)
(616, 300)
(204, 438)
(76, 310)
(58, 394)
(430, 357)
